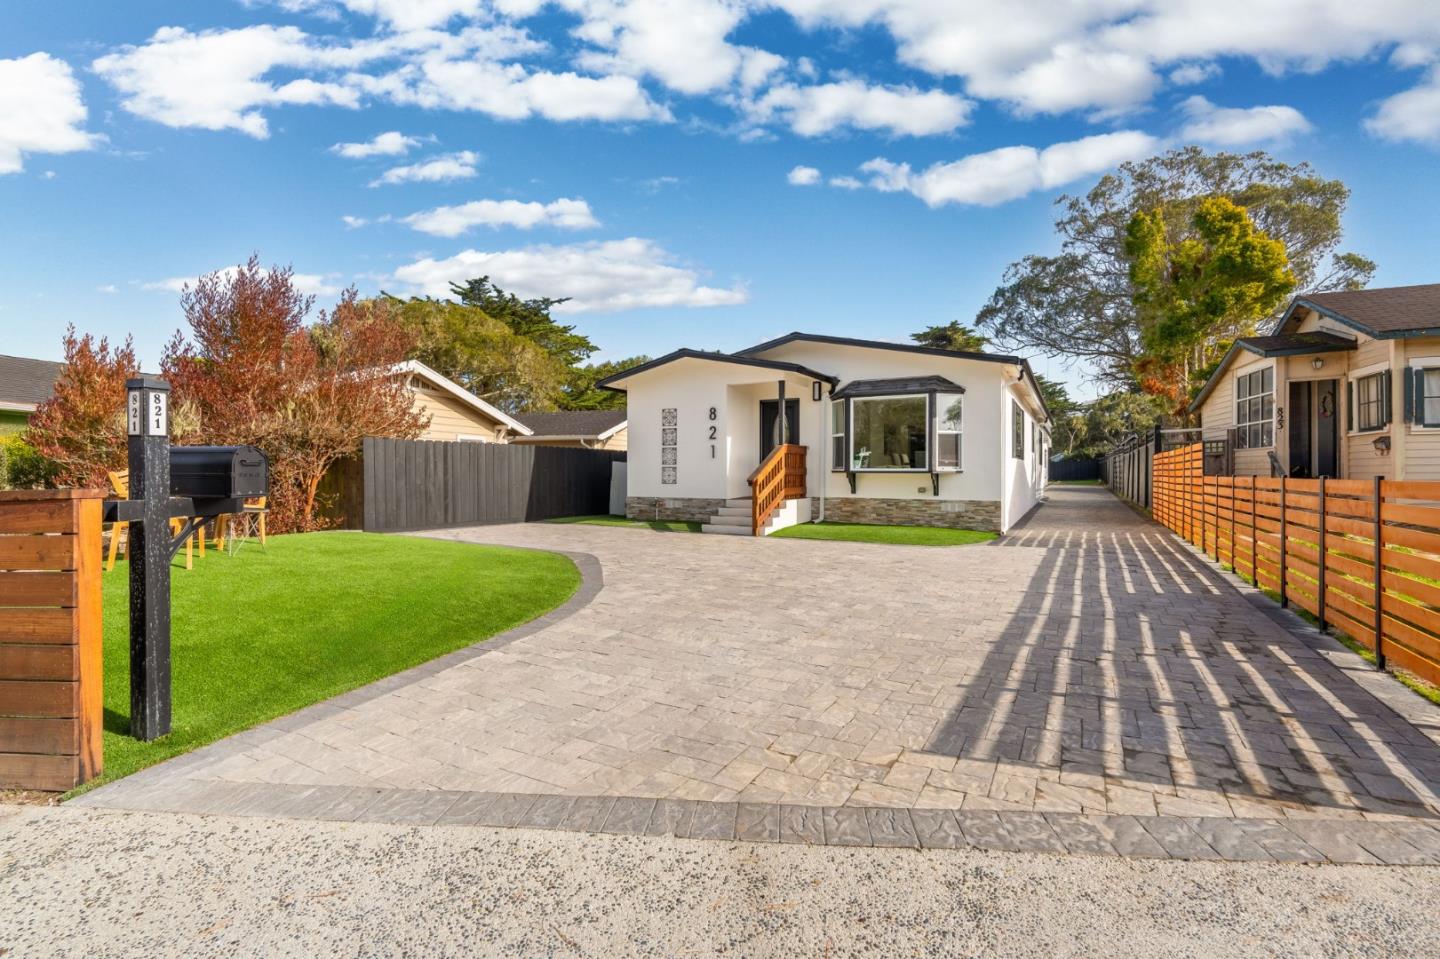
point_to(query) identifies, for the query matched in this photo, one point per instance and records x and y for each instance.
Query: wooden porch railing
(780, 477)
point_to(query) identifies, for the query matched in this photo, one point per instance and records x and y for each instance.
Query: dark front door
(770, 424)
(1313, 428)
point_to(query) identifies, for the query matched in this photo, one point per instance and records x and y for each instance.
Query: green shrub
(22, 466)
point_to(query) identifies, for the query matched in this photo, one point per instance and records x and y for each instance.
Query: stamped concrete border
(1398, 842)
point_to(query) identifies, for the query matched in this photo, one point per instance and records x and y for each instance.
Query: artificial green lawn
(662, 525)
(265, 631)
(899, 535)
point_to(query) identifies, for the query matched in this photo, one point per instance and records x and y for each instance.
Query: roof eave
(876, 345)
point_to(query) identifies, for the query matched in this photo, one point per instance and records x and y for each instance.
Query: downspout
(825, 442)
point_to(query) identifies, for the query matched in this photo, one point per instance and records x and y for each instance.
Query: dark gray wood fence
(420, 484)
(1128, 469)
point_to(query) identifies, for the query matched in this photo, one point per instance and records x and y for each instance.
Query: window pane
(1267, 380)
(1267, 435)
(947, 455)
(1267, 407)
(1242, 387)
(1432, 410)
(837, 452)
(1432, 384)
(949, 411)
(890, 433)
(837, 416)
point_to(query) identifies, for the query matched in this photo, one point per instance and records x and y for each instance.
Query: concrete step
(744, 501)
(719, 520)
(733, 510)
(727, 530)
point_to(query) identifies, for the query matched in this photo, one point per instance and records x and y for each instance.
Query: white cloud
(1189, 74)
(451, 166)
(605, 276)
(215, 79)
(827, 107)
(681, 43)
(803, 176)
(565, 214)
(311, 284)
(353, 222)
(997, 176)
(1237, 126)
(847, 183)
(106, 288)
(40, 110)
(1412, 115)
(392, 143)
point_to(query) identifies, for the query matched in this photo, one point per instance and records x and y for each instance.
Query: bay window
(947, 431)
(889, 433)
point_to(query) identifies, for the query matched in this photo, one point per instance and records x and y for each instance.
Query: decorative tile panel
(669, 417)
(667, 475)
(667, 456)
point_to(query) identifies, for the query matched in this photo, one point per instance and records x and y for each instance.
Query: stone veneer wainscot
(952, 513)
(684, 509)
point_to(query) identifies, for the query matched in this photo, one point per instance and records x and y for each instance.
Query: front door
(770, 424)
(1313, 428)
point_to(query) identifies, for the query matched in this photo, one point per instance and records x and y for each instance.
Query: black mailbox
(213, 475)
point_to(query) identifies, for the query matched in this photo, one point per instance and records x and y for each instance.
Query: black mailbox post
(196, 482)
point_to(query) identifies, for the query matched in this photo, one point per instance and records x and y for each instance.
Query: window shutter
(1349, 407)
(1387, 412)
(1410, 391)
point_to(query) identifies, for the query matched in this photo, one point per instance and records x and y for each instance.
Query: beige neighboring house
(455, 413)
(1348, 385)
(587, 429)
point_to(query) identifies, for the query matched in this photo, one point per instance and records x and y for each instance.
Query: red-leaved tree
(305, 395)
(81, 428)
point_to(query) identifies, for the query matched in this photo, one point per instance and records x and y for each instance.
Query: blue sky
(703, 173)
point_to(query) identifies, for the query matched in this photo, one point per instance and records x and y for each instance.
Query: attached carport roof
(609, 382)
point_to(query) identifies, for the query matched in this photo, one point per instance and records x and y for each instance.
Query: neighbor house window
(889, 433)
(1255, 409)
(1427, 396)
(948, 422)
(1017, 431)
(1370, 402)
(837, 435)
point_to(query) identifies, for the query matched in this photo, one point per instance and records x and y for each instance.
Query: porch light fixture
(1381, 444)
(1316, 363)
(815, 391)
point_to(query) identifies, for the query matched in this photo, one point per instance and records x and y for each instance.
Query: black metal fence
(1073, 469)
(421, 484)
(1128, 468)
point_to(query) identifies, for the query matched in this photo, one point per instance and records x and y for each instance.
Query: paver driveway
(1086, 663)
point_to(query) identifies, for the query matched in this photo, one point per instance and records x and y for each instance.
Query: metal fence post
(1379, 584)
(1284, 597)
(1320, 588)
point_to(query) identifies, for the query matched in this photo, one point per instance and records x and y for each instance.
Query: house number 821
(714, 415)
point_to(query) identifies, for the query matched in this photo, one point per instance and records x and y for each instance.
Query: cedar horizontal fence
(51, 687)
(1361, 556)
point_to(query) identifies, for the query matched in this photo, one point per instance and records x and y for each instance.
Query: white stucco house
(873, 432)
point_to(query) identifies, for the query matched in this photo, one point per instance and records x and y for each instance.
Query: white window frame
(842, 462)
(1424, 364)
(959, 435)
(850, 429)
(1236, 401)
(1353, 395)
(472, 438)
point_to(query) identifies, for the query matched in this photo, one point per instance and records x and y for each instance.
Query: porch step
(726, 529)
(734, 510)
(727, 519)
(739, 501)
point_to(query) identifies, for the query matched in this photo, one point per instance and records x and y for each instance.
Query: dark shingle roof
(904, 384)
(23, 380)
(573, 422)
(1296, 344)
(1395, 309)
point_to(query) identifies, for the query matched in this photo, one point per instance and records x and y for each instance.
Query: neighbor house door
(1313, 428)
(770, 424)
